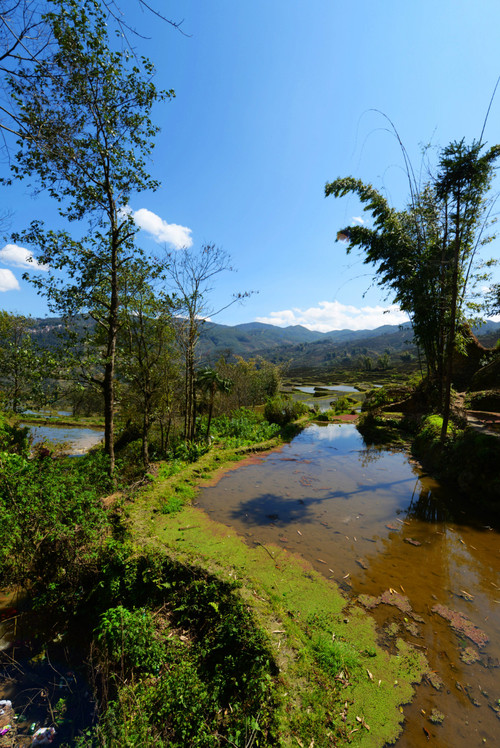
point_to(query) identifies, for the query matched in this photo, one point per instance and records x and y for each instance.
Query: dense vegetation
(427, 254)
(175, 657)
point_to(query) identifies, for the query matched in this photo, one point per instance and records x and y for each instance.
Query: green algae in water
(469, 655)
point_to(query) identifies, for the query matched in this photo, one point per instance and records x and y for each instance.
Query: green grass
(299, 611)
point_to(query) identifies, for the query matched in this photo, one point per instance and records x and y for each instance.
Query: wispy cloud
(20, 257)
(358, 219)
(332, 315)
(177, 236)
(8, 281)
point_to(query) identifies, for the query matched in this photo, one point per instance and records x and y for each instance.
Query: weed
(172, 505)
(130, 640)
(333, 655)
(242, 428)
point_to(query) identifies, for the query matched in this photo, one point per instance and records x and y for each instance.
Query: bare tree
(192, 276)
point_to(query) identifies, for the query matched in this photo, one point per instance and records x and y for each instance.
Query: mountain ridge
(295, 345)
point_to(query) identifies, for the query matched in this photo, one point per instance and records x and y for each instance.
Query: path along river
(371, 521)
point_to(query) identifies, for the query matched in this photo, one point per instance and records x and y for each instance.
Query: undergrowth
(178, 660)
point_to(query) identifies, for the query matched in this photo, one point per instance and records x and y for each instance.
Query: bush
(344, 404)
(130, 640)
(13, 439)
(52, 521)
(283, 410)
(187, 668)
(243, 427)
(189, 451)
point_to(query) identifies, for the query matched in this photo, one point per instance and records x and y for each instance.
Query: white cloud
(8, 281)
(358, 219)
(332, 315)
(20, 257)
(177, 236)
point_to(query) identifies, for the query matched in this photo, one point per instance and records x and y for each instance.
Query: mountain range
(307, 352)
(297, 346)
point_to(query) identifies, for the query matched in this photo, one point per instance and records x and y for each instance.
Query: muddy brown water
(370, 520)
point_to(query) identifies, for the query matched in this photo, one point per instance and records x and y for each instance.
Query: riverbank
(91, 422)
(318, 654)
(466, 462)
(335, 684)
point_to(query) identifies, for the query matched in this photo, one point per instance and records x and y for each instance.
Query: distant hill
(301, 349)
(296, 346)
(250, 337)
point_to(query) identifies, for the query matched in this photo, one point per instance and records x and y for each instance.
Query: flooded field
(323, 396)
(78, 439)
(368, 519)
(330, 388)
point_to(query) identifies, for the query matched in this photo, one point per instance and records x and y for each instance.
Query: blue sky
(273, 99)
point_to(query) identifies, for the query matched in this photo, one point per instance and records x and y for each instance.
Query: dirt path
(484, 422)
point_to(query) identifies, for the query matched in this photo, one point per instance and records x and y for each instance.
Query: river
(370, 520)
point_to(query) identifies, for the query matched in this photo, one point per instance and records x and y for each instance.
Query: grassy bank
(333, 684)
(468, 461)
(195, 639)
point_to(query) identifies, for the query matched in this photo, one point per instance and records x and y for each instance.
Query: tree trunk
(450, 346)
(109, 406)
(145, 437)
(109, 369)
(210, 409)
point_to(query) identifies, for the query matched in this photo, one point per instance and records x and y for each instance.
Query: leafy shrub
(185, 705)
(344, 404)
(283, 410)
(242, 427)
(130, 640)
(377, 398)
(52, 522)
(189, 451)
(197, 689)
(13, 438)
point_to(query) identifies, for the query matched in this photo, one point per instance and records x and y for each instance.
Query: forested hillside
(296, 347)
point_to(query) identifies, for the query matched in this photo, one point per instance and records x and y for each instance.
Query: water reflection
(368, 518)
(331, 388)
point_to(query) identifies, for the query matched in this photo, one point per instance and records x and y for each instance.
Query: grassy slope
(359, 702)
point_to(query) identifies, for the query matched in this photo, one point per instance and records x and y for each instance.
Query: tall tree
(85, 134)
(461, 186)
(425, 253)
(20, 362)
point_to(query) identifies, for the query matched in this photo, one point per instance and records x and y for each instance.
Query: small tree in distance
(210, 381)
